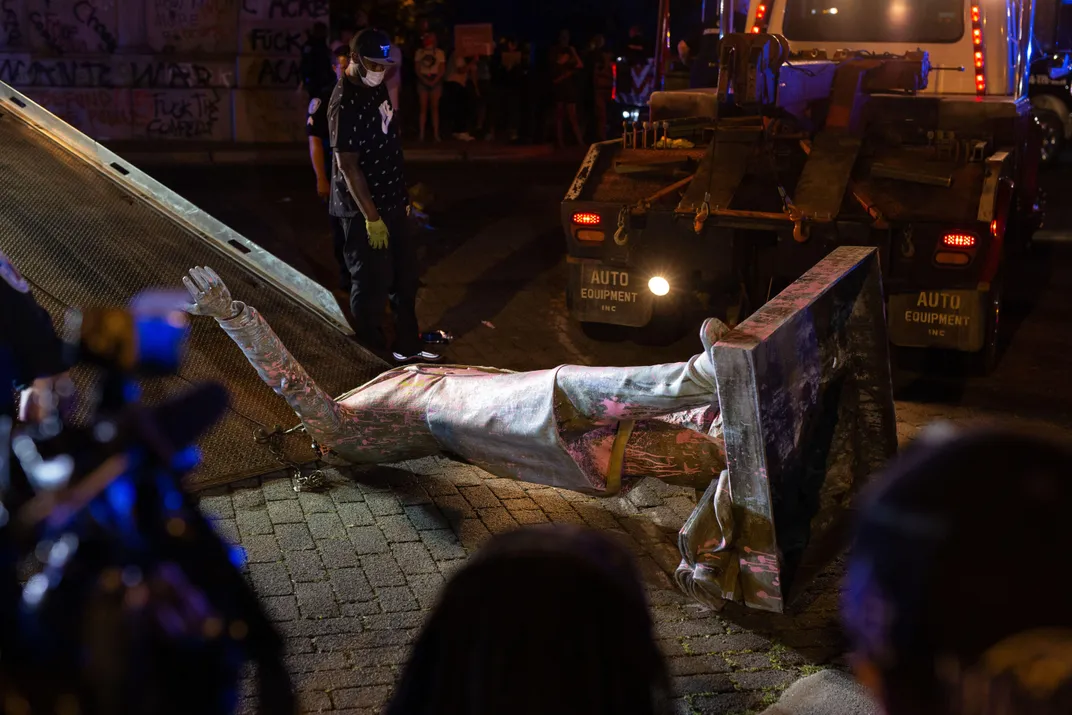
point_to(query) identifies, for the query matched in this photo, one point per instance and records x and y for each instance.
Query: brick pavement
(350, 574)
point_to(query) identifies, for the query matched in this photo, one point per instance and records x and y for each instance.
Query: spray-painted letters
(180, 115)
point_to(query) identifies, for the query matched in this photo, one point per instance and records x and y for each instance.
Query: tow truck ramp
(86, 228)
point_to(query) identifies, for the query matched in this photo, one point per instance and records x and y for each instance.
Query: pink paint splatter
(614, 408)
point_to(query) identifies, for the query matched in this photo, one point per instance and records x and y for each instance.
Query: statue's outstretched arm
(264, 350)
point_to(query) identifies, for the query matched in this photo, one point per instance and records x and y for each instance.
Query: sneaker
(422, 356)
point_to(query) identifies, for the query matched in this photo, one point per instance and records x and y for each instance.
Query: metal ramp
(87, 228)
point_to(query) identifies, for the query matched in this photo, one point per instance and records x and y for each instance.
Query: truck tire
(987, 359)
(1053, 135)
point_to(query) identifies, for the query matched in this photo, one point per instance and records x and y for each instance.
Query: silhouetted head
(542, 620)
(319, 32)
(951, 603)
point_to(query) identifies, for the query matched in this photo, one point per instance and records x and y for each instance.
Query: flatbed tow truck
(912, 132)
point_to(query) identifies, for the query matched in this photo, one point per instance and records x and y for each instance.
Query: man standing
(315, 67)
(368, 194)
(316, 126)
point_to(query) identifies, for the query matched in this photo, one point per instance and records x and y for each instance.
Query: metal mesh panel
(80, 239)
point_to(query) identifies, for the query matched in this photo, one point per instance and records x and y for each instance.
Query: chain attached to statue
(314, 480)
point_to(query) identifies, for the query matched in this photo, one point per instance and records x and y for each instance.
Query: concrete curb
(298, 157)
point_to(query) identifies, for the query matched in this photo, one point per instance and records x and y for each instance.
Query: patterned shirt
(361, 119)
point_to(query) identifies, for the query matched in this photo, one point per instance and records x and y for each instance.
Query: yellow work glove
(377, 233)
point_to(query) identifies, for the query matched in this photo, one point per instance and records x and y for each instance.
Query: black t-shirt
(316, 125)
(361, 119)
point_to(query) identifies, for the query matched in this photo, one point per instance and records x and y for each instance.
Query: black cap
(373, 45)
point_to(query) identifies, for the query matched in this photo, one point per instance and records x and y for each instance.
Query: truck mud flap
(600, 293)
(826, 174)
(951, 319)
(731, 149)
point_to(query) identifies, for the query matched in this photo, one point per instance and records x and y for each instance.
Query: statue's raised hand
(211, 297)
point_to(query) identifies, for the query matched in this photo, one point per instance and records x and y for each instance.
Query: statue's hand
(211, 297)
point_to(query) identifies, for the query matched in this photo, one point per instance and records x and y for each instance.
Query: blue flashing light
(186, 459)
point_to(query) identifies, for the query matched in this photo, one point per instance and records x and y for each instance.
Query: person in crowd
(317, 77)
(508, 81)
(394, 83)
(565, 64)
(569, 583)
(431, 66)
(637, 49)
(946, 603)
(602, 66)
(316, 127)
(458, 98)
(369, 196)
(483, 98)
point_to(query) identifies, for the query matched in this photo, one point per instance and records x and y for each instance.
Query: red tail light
(614, 82)
(586, 219)
(959, 240)
(977, 46)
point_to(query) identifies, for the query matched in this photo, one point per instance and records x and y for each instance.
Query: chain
(274, 441)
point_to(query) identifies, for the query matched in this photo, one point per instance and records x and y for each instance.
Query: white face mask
(372, 79)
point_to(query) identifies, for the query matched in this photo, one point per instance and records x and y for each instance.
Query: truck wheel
(1053, 135)
(987, 359)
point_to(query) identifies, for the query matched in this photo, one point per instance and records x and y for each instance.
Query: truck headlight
(659, 285)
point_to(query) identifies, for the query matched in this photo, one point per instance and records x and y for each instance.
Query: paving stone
(316, 503)
(308, 662)
(338, 553)
(413, 558)
(294, 537)
(464, 475)
(523, 504)
(729, 643)
(385, 637)
(355, 514)
(698, 664)
(426, 588)
(248, 498)
(286, 512)
(377, 676)
(707, 683)
(504, 489)
(410, 494)
(361, 609)
(313, 701)
(337, 643)
(371, 697)
(254, 522)
(596, 517)
(280, 608)
(473, 534)
(368, 540)
(550, 501)
(728, 703)
(396, 598)
(271, 579)
(346, 493)
(528, 518)
(321, 627)
(293, 646)
(395, 621)
(443, 544)
(382, 504)
(397, 528)
(305, 566)
(643, 530)
(381, 570)
(217, 507)
(261, 549)
(438, 486)
(426, 516)
(497, 519)
(479, 497)
(763, 679)
(449, 568)
(279, 489)
(325, 526)
(316, 600)
(351, 585)
(698, 627)
(455, 508)
(227, 529)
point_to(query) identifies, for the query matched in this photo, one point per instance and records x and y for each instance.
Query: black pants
(380, 275)
(338, 240)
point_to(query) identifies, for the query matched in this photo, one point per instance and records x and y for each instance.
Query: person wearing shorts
(431, 65)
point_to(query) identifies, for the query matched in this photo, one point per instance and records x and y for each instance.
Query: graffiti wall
(181, 70)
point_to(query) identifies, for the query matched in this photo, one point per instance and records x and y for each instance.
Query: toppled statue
(594, 430)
